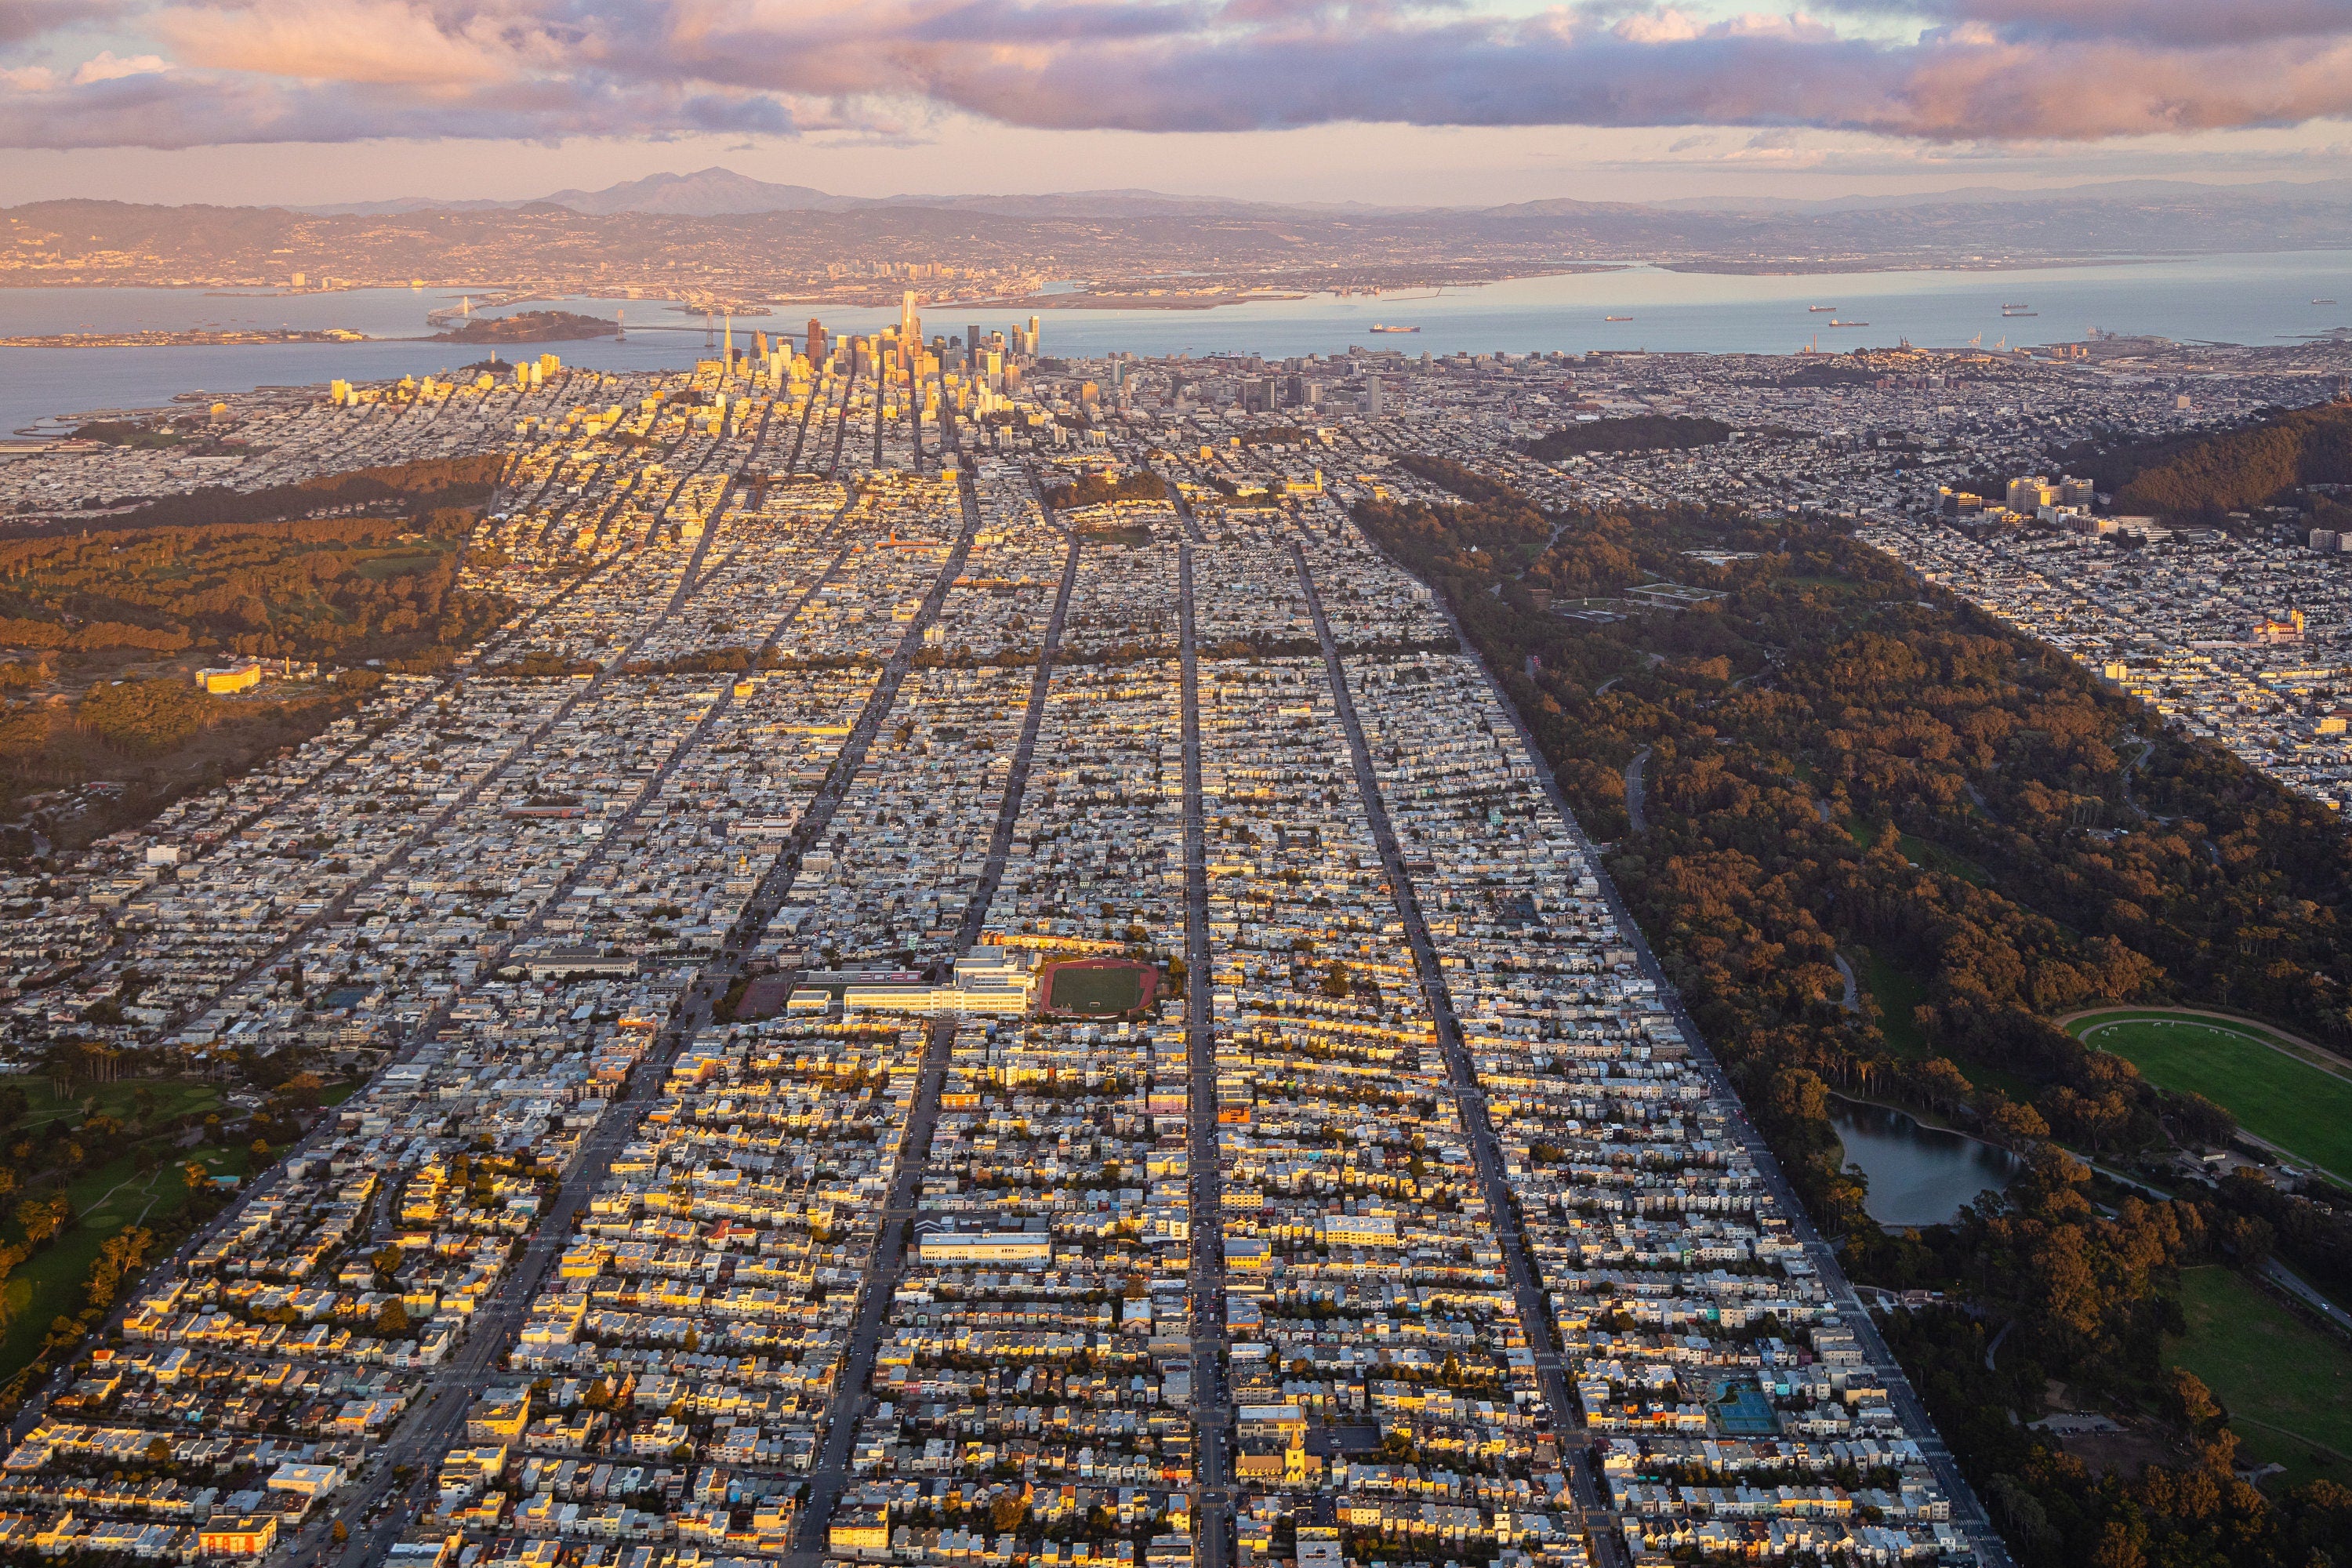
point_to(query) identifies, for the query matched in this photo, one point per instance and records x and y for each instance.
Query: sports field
(1098, 988)
(2287, 1386)
(2261, 1080)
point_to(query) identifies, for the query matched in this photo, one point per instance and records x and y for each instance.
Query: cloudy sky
(1472, 100)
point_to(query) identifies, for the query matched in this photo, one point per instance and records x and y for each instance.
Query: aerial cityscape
(1110, 787)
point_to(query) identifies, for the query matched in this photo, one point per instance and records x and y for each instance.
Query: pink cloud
(345, 69)
(105, 66)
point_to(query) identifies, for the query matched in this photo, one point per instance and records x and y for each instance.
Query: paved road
(1502, 1211)
(379, 721)
(1017, 781)
(887, 1263)
(830, 1477)
(1968, 1512)
(688, 581)
(841, 422)
(2303, 1290)
(649, 792)
(271, 1178)
(950, 439)
(1212, 1414)
(1633, 786)
(340, 904)
(434, 1424)
(35, 1404)
(1184, 513)
(760, 436)
(385, 717)
(800, 432)
(915, 421)
(430, 1427)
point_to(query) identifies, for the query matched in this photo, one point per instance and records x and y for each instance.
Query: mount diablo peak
(707, 193)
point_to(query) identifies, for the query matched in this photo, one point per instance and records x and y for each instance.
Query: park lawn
(48, 1285)
(2286, 1386)
(1896, 992)
(2275, 1096)
(1951, 862)
(2324, 1060)
(115, 1099)
(1919, 851)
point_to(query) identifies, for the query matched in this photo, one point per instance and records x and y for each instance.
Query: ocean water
(2250, 299)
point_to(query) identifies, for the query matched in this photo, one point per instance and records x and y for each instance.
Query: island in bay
(530, 327)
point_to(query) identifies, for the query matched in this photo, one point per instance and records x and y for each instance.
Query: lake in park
(1918, 1174)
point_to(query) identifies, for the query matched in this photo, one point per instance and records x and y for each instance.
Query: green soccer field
(2275, 1096)
(1094, 992)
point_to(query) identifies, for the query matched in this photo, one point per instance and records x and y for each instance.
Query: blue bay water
(2251, 299)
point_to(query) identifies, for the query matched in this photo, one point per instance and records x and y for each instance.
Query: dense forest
(1635, 433)
(340, 589)
(1837, 761)
(215, 570)
(2200, 477)
(1095, 489)
(410, 489)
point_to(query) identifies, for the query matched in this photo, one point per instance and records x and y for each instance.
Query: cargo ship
(1377, 328)
(1821, 310)
(1616, 318)
(1835, 322)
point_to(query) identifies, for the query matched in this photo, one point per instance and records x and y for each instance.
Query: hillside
(1637, 433)
(2202, 477)
(532, 326)
(730, 232)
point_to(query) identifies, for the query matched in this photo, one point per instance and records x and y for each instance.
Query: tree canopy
(1841, 765)
(1632, 433)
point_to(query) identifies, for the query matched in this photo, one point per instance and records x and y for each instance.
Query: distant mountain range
(2272, 192)
(723, 193)
(753, 238)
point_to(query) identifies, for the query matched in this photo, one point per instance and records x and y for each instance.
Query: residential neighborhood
(973, 976)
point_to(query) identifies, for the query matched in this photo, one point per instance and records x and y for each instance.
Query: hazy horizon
(1818, 190)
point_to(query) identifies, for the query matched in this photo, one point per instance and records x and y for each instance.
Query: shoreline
(167, 339)
(1857, 270)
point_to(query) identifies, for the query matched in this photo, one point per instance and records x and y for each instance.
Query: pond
(1918, 1174)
